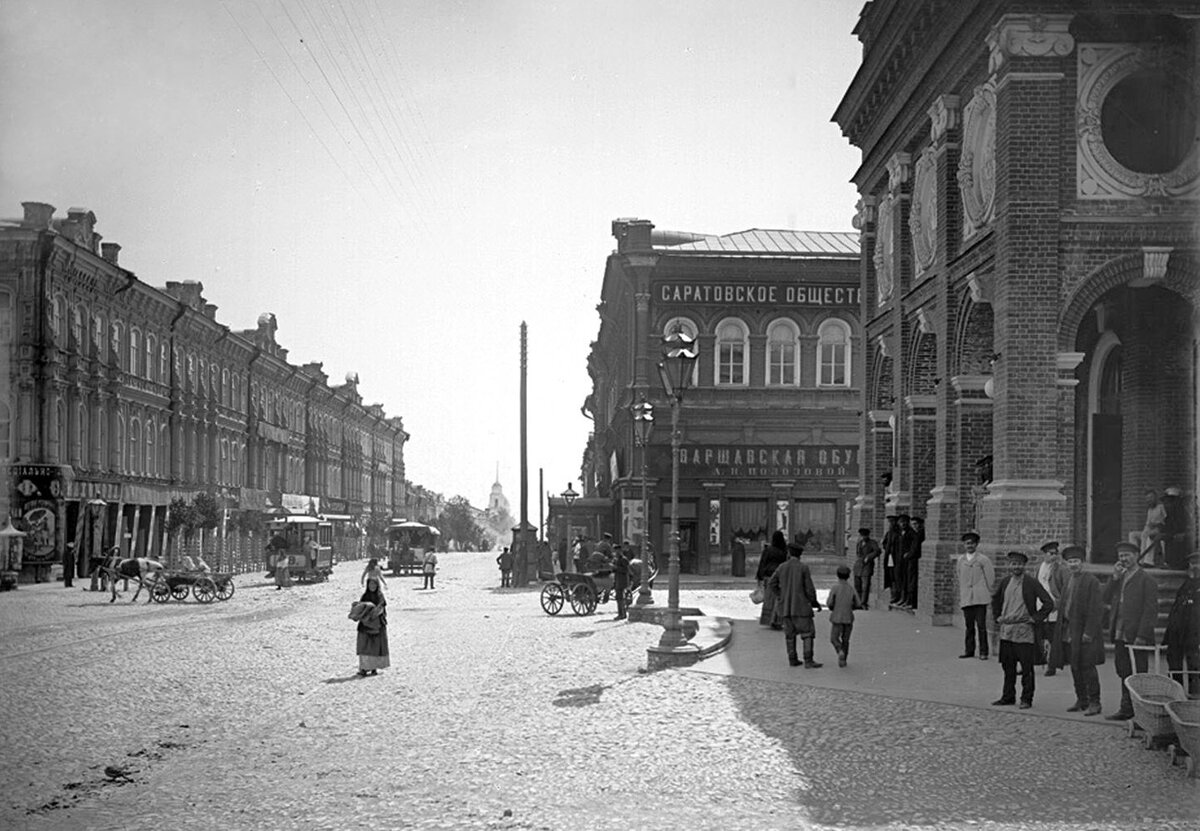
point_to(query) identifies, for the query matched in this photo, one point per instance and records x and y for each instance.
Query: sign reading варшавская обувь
(788, 461)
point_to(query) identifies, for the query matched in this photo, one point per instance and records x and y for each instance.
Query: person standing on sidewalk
(429, 568)
(906, 561)
(1053, 577)
(1182, 636)
(620, 570)
(1133, 596)
(1019, 605)
(891, 556)
(841, 602)
(371, 644)
(68, 563)
(865, 554)
(505, 561)
(913, 573)
(773, 556)
(976, 577)
(796, 600)
(1081, 632)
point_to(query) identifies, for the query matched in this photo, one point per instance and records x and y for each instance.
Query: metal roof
(758, 241)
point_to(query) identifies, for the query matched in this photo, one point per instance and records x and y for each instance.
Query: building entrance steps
(894, 655)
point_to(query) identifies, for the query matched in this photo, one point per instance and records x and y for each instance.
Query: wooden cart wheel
(553, 598)
(583, 599)
(160, 592)
(180, 591)
(225, 589)
(205, 590)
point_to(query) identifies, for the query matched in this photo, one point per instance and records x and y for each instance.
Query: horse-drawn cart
(585, 591)
(205, 586)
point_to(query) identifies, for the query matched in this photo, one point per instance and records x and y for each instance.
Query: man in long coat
(1081, 631)
(1134, 598)
(796, 602)
(1182, 637)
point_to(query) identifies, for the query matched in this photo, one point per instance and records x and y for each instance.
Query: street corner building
(769, 425)
(1030, 281)
(117, 397)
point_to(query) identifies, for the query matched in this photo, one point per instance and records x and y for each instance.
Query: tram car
(301, 544)
(408, 541)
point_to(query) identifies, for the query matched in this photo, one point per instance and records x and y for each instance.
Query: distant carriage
(408, 541)
(303, 545)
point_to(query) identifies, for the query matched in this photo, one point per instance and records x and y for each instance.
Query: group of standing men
(901, 552)
(1056, 618)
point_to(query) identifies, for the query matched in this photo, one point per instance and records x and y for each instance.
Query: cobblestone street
(248, 714)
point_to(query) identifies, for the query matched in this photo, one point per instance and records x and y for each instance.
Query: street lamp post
(643, 424)
(676, 368)
(569, 496)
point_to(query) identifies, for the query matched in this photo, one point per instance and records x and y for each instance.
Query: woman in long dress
(372, 646)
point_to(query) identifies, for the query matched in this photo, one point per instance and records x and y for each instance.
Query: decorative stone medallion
(977, 164)
(923, 218)
(1136, 123)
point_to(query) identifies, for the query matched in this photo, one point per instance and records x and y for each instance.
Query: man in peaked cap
(1133, 596)
(1081, 631)
(1052, 574)
(1019, 605)
(976, 577)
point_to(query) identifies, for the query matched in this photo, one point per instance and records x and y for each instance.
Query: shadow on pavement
(354, 676)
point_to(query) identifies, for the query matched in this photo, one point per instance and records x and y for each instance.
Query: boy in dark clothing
(841, 602)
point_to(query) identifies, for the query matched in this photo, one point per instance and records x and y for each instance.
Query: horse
(140, 569)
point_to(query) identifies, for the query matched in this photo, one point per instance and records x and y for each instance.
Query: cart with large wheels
(582, 591)
(205, 586)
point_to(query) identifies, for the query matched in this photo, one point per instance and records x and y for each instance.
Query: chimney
(38, 214)
(210, 311)
(632, 234)
(110, 251)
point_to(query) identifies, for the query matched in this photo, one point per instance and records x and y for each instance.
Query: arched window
(57, 316)
(96, 349)
(151, 456)
(164, 364)
(833, 354)
(135, 446)
(164, 444)
(135, 350)
(151, 352)
(731, 353)
(81, 426)
(79, 318)
(120, 444)
(116, 335)
(782, 348)
(225, 394)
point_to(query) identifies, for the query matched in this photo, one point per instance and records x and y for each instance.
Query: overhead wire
(279, 82)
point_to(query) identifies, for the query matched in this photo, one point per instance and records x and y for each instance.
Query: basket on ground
(1150, 693)
(1185, 716)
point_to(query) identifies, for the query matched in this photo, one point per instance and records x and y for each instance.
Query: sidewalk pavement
(892, 654)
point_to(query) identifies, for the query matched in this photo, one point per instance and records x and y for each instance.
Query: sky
(402, 183)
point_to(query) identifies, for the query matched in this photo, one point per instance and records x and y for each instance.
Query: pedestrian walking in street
(792, 587)
(372, 569)
(976, 577)
(505, 562)
(372, 642)
(865, 554)
(68, 563)
(772, 558)
(1081, 631)
(842, 600)
(429, 568)
(1052, 574)
(620, 571)
(1133, 598)
(1019, 605)
(891, 556)
(1182, 638)
(283, 571)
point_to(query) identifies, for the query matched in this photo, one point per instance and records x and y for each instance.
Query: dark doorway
(1107, 452)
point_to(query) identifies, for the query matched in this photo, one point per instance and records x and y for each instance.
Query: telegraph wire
(349, 179)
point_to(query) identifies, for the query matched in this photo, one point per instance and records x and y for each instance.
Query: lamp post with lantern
(675, 370)
(643, 426)
(569, 496)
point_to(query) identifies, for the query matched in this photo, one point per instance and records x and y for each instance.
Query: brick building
(1030, 278)
(770, 430)
(117, 397)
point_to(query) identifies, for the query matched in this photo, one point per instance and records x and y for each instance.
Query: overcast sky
(402, 183)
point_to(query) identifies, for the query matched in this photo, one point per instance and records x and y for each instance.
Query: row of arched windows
(783, 355)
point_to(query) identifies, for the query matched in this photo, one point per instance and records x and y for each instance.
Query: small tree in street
(458, 523)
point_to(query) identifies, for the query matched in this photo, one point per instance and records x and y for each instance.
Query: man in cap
(796, 601)
(1182, 637)
(1133, 596)
(620, 567)
(913, 571)
(865, 555)
(1081, 632)
(891, 554)
(1019, 605)
(1053, 577)
(905, 561)
(976, 576)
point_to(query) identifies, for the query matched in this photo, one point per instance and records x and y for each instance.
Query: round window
(1148, 122)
